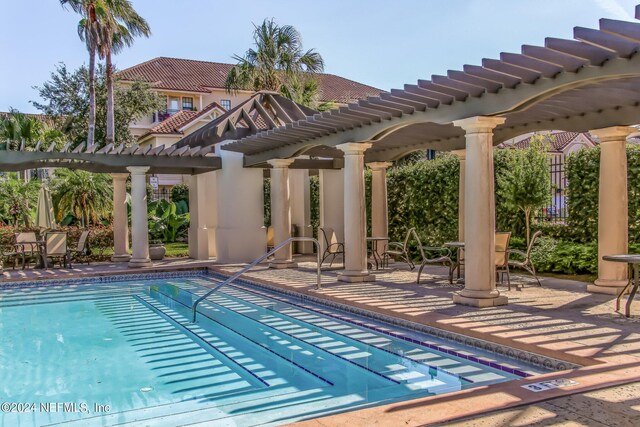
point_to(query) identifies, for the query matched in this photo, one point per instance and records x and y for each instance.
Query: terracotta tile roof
(173, 124)
(560, 141)
(199, 76)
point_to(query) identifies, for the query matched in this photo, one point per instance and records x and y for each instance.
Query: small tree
(17, 198)
(66, 98)
(526, 184)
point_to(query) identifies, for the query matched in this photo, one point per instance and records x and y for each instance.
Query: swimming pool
(126, 352)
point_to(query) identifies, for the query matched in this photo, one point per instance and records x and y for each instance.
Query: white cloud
(615, 9)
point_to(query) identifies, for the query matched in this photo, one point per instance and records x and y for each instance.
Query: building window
(187, 103)
(226, 104)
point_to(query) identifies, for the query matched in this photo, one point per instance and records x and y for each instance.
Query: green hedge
(583, 175)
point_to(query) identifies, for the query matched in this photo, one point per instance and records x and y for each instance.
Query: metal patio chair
(434, 255)
(525, 262)
(502, 256)
(333, 248)
(82, 252)
(56, 247)
(400, 250)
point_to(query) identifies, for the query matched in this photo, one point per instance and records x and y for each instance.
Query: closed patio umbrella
(45, 219)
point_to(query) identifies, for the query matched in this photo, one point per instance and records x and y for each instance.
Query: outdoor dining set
(44, 250)
(450, 254)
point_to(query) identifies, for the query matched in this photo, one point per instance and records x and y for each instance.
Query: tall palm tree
(88, 196)
(277, 63)
(120, 25)
(89, 32)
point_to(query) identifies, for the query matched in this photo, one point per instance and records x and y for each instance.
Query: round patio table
(374, 250)
(459, 261)
(634, 261)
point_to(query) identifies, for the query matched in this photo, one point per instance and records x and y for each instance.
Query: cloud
(614, 9)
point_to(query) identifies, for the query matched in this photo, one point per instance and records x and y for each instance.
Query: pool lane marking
(249, 339)
(203, 340)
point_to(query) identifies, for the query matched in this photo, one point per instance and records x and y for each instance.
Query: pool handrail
(254, 263)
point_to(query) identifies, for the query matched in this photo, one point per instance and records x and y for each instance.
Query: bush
(583, 175)
(180, 192)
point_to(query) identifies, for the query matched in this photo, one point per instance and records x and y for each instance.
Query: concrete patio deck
(559, 319)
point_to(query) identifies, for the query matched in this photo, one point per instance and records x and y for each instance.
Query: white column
(299, 189)
(239, 230)
(462, 157)
(281, 212)
(613, 206)
(479, 215)
(331, 203)
(120, 220)
(355, 221)
(139, 221)
(202, 212)
(379, 209)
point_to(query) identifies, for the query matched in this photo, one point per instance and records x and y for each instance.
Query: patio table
(459, 261)
(41, 246)
(374, 250)
(633, 260)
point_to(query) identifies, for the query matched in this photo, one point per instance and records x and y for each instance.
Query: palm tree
(88, 196)
(278, 63)
(17, 127)
(89, 32)
(120, 25)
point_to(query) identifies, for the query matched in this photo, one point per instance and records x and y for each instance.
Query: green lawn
(174, 250)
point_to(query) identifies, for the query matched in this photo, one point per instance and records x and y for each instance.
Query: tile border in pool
(498, 349)
(104, 278)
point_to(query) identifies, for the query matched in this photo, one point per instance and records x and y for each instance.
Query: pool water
(127, 353)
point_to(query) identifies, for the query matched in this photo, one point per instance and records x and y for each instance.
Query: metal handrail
(254, 263)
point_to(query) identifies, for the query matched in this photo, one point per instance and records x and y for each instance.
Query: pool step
(392, 367)
(435, 357)
(287, 356)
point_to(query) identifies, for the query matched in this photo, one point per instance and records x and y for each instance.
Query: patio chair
(400, 250)
(82, 252)
(25, 243)
(56, 245)
(269, 238)
(12, 254)
(502, 256)
(333, 248)
(525, 263)
(437, 255)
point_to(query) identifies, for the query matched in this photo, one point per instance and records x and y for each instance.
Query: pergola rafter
(574, 85)
(110, 159)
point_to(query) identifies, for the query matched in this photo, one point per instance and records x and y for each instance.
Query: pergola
(591, 84)
(119, 161)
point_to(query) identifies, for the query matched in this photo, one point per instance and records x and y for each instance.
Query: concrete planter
(157, 251)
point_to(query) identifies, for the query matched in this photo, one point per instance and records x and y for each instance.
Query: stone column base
(283, 264)
(356, 277)
(480, 302)
(121, 258)
(139, 263)
(609, 287)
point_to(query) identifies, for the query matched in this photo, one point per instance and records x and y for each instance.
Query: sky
(382, 43)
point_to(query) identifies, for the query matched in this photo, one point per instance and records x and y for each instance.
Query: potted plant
(156, 250)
